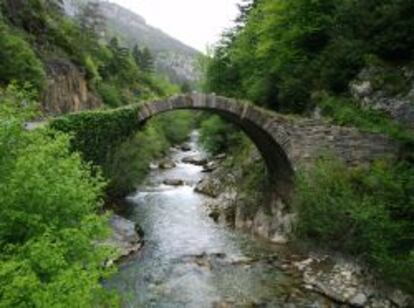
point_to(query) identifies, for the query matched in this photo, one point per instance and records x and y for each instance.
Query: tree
(119, 60)
(49, 227)
(18, 61)
(137, 55)
(56, 6)
(92, 20)
(147, 64)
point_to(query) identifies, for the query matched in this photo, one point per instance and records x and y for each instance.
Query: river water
(189, 261)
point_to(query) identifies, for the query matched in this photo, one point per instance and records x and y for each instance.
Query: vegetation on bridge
(115, 140)
(97, 133)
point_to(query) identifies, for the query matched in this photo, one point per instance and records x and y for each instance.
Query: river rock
(359, 300)
(185, 147)
(124, 238)
(166, 164)
(174, 182)
(194, 160)
(220, 156)
(210, 166)
(209, 186)
(347, 283)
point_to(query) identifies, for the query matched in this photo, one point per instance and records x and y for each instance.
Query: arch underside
(279, 169)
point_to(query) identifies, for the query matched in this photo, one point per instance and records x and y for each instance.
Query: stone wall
(285, 142)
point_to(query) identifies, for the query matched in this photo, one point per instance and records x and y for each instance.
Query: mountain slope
(172, 57)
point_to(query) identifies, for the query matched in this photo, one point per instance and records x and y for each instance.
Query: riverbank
(341, 279)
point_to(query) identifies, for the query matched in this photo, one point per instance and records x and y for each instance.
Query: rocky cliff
(66, 90)
(389, 89)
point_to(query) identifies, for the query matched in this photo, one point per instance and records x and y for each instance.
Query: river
(190, 261)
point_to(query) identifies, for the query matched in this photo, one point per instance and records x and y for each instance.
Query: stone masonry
(284, 141)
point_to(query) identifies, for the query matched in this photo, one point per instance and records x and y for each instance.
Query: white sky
(197, 23)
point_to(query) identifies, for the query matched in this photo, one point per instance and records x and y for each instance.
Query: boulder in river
(209, 186)
(185, 147)
(126, 237)
(195, 160)
(173, 182)
(347, 283)
(210, 166)
(166, 164)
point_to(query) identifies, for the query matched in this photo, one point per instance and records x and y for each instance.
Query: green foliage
(282, 51)
(218, 136)
(113, 140)
(364, 212)
(129, 164)
(18, 61)
(119, 76)
(110, 94)
(176, 125)
(49, 202)
(97, 133)
(344, 111)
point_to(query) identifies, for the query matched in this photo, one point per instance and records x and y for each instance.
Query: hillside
(172, 57)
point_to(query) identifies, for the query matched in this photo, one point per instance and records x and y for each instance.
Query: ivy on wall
(97, 133)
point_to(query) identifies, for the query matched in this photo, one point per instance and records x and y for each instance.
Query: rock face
(347, 283)
(125, 238)
(66, 89)
(396, 98)
(274, 223)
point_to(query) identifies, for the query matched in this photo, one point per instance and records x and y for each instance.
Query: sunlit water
(189, 261)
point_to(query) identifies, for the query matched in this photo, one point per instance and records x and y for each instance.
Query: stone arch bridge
(284, 141)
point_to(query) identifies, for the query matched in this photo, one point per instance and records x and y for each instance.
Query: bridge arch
(264, 128)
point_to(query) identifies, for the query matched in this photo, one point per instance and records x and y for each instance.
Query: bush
(49, 221)
(176, 125)
(129, 164)
(344, 111)
(110, 95)
(18, 61)
(364, 212)
(218, 136)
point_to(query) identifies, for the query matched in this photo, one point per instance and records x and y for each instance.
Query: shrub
(217, 136)
(129, 163)
(18, 61)
(176, 125)
(344, 111)
(365, 212)
(110, 94)
(49, 221)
